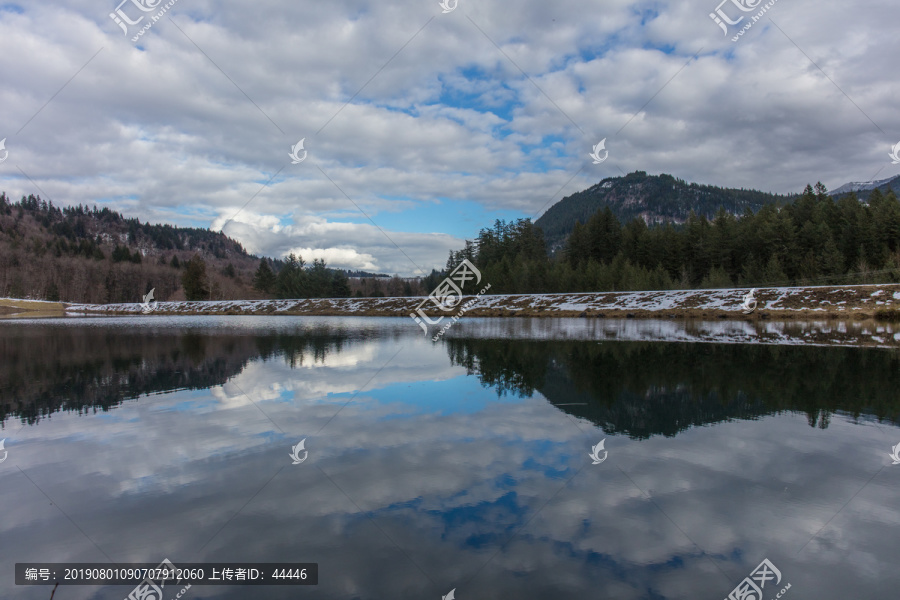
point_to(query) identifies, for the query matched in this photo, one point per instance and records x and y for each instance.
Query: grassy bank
(830, 302)
(13, 307)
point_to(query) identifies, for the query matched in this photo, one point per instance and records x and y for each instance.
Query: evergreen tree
(774, 274)
(194, 279)
(53, 292)
(319, 280)
(635, 242)
(264, 278)
(430, 281)
(829, 259)
(660, 279)
(291, 281)
(121, 253)
(604, 236)
(717, 278)
(577, 247)
(721, 251)
(340, 286)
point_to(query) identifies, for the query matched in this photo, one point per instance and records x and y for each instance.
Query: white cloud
(161, 133)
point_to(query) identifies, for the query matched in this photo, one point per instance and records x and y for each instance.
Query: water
(457, 465)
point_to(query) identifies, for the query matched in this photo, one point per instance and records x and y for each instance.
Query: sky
(422, 122)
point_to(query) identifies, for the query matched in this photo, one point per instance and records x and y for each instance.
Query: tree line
(294, 278)
(813, 240)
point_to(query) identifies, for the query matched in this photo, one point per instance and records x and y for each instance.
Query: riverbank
(830, 302)
(14, 307)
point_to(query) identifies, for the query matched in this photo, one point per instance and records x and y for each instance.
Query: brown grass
(803, 303)
(15, 308)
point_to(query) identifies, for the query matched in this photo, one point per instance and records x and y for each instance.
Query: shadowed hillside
(81, 254)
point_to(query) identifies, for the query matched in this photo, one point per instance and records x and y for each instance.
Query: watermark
(895, 455)
(721, 18)
(148, 588)
(596, 153)
(149, 304)
(462, 311)
(447, 296)
(6, 452)
(751, 588)
(749, 304)
(295, 452)
(6, 152)
(450, 595)
(448, 6)
(295, 157)
(124, 21)
(895, 153)
(595, 452)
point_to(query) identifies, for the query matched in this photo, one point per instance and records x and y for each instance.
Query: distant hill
(863, 189)
(97, 256)
(81, 254)
(655, 198)
(364, 274)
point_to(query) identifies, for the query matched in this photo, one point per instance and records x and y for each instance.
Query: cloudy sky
(421, 126)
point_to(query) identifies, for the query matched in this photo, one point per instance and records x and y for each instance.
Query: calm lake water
(462, 464)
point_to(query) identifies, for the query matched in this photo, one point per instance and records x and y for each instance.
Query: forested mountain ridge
(82, 254)
(864, 189)
(89, 255)
(813, 240)
(655, 198)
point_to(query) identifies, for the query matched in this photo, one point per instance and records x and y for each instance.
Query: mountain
(81, 254)
(863, 189)
(97, 256)
(655, 198)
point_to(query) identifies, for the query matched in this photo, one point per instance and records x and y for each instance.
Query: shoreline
(875, 301)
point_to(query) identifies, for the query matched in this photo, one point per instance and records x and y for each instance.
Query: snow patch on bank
(839, 299)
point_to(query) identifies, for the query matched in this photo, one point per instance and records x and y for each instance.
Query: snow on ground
(828, 316)
(833, 299)
(28, 301)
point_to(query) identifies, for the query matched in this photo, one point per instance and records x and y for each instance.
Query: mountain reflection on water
(458, 465)
(634, 388)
